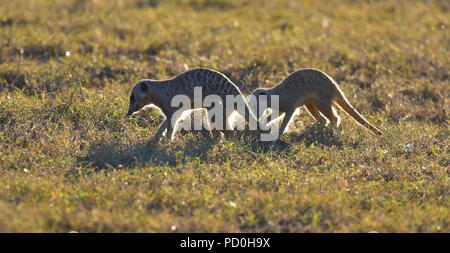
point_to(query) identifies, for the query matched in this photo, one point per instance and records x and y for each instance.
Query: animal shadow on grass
(316, 134)
(196, 146)
(108, 156)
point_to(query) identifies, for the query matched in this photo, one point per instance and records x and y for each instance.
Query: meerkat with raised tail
(160, 94)
(318, 92)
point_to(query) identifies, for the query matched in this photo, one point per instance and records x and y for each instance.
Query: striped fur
(160, 93)
(318, 92)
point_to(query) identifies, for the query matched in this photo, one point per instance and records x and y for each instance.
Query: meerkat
(318, 92)
(160, 94)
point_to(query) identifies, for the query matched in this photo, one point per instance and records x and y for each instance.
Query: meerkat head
(257, 93)
(139, 97)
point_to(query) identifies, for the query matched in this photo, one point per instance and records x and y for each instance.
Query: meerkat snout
(133, 107)
(137, 96)
(257, 93)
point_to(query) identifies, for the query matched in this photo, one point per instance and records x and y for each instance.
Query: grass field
(71, 160)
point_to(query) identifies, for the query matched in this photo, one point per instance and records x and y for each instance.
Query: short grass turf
(71, 160)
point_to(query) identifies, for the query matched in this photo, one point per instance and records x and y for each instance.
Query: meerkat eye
(144, 87)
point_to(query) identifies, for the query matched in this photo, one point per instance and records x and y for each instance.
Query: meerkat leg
(208, 126)
(169, 131)
(214, 132)
(161, 130)
(269, 118)
(168, 125)
(314, 112)
(205, 130)
(284, 124)
(226, 124)
(330, 113)
(336, 115)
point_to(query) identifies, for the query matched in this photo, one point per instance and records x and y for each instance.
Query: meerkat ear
(144, 87)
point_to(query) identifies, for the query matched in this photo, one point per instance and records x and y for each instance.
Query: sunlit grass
(70, 160)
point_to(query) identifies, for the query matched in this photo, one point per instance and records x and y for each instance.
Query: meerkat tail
(249, 115)
(343, 103)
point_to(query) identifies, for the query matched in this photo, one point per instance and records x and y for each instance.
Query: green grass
(70, 160)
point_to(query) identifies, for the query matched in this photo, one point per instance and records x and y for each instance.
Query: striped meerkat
(160, 94)
(318, 92)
